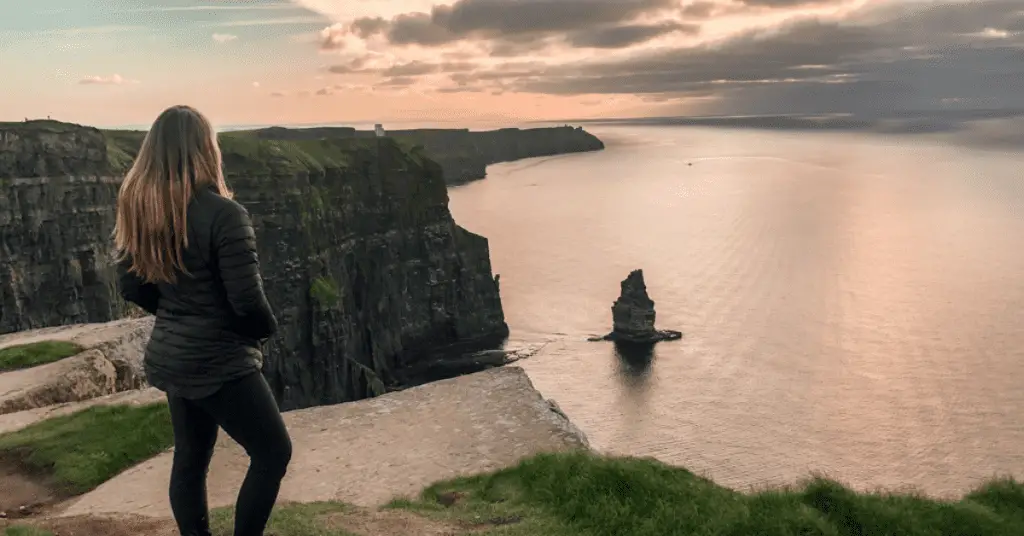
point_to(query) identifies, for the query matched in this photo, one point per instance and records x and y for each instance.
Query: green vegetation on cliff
(80, 451)
(245, 153)
(34, 354)
(325, 291)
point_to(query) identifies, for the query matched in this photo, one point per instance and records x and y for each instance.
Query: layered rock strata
(365, 267)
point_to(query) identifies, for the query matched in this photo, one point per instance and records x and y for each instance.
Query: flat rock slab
(111, 362)
(80, 377)
(85, 335)
(11, 422)
(369, 452)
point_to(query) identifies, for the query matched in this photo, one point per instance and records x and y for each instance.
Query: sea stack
(633, 315)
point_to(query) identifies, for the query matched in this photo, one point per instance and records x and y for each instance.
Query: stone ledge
(111, 362)
(371, 451)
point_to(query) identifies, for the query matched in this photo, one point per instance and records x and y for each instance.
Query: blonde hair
(178, 157)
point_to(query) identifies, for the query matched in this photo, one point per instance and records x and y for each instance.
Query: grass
(82, 450)
(325, 291)
(577, 494)
(24, 356)
(587, 495)
(583, 494)
(24, 530)
(287, 520)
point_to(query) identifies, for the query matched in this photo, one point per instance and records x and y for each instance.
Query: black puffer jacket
(209, 324)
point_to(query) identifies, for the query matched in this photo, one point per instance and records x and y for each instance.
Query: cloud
(224, 38)
(398, 81)
(786, 3)
(736, 56)
(503, 19)
(112, 80)
(877, 60)
(700, 9)
(627, 34)
(334, 89)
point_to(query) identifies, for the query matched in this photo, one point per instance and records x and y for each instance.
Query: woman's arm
(135, 290)
(238, 264)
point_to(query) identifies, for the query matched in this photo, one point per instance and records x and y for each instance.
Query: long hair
(178, 157)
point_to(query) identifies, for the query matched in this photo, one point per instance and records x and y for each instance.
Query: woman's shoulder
(218, 206)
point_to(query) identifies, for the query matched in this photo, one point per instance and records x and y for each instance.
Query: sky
(120, 62)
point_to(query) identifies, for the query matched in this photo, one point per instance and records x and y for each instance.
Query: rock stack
(633, 315)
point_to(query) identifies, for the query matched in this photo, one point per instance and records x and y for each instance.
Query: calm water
(851, 304)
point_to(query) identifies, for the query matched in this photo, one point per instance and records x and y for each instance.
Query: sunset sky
(119, 62)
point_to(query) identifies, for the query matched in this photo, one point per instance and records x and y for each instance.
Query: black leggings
(247, 411)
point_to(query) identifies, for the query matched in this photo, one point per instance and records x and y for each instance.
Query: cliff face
(464, 155)
(366, 269)
(56, 215)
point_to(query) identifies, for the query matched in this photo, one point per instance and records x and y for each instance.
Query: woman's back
(188, 256)
(210, 320)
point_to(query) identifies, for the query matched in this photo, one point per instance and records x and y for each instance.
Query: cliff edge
(367, 271)
(462, 154)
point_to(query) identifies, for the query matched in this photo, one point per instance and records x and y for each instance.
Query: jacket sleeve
(135, 290)
(238, 265)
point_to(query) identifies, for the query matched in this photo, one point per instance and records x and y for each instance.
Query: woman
(187, 254)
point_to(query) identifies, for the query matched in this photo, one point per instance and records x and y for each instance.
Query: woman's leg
(247, 412)
(195, 433)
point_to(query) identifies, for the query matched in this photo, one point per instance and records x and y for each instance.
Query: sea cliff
(367, 271)
(463, 154)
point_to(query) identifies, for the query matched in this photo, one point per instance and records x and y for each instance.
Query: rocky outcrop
(367, 271)
(462, 154)
(111, 362)
(633, 314)
(359, 453)
(11, 422)
(80, 377)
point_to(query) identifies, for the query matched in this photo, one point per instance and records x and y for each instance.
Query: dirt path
(101, 526)
(359, 521)
(23, 495)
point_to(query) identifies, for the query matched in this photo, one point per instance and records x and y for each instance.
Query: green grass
(249, 154)
(587, 495)
(566, 494)
(24, 530)
(38, 353)
(583, 494)
(41, 125)
(82, 450)
(286, 520)
(325, 291)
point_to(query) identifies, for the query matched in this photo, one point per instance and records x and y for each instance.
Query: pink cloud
(112, 80)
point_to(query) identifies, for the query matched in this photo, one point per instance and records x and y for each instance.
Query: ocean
(851, 303)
